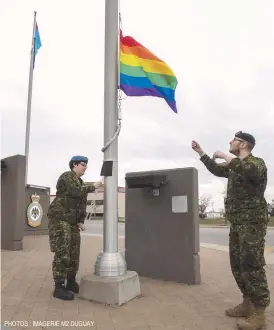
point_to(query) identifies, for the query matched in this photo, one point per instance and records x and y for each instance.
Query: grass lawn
(216, 221)
(221, 221)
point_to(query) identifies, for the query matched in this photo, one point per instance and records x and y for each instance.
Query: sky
(222, 53)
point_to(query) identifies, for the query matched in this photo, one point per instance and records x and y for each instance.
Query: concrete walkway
(27, 300)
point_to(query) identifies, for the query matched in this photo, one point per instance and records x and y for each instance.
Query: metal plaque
(179, 204)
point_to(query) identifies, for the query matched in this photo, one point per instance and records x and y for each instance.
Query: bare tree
(204, 202)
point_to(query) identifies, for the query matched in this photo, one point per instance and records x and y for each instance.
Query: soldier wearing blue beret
(66, 216)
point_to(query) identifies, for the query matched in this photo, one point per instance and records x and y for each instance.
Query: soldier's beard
(235, 152)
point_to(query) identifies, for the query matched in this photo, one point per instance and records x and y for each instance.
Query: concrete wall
(15, 199)
(13, 203)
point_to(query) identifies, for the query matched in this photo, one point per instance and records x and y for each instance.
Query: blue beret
(79, 159)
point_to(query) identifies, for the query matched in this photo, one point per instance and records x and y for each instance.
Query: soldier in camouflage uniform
(246, 210)
(66, 216)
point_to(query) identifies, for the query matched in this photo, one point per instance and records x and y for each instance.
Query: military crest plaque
(34, 211)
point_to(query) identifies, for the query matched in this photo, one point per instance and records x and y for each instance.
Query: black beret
(245, 137)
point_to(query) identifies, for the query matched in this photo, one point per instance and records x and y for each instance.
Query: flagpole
(111, 262)
(27, 137)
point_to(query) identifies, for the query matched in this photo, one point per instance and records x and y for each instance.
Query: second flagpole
(28, 119)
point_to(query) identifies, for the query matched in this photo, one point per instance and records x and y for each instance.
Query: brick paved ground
(27, 294)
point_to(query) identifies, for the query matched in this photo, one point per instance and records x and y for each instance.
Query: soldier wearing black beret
(246, 210)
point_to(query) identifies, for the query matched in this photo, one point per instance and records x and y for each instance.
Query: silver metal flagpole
(29, 99)
(111, 262)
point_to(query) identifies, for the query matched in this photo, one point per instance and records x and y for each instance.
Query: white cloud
(223, 56)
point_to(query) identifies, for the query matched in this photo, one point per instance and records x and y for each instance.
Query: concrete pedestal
(162, 225)
(13, 209)
(110, 290)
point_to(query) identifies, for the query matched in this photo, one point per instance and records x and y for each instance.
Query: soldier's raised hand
(81, 226)
(196, 147)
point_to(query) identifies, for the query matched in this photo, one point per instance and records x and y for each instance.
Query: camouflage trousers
(65, 242)
(246, 246)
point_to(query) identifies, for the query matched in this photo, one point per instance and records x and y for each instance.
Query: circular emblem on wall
(34, 211)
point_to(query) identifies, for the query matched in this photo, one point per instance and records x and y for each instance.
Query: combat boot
(244, 309)
(60, 292)
(72, 285)
(254, 322)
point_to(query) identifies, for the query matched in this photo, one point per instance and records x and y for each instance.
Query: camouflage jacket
(71, 199)
(247, 180)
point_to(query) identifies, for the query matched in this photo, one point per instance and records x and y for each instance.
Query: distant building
(95, 202)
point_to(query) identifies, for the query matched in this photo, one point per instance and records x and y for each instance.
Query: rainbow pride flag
(144, 74)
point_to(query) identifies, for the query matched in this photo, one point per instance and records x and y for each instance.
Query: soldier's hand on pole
(97, 184)
(81, 226)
